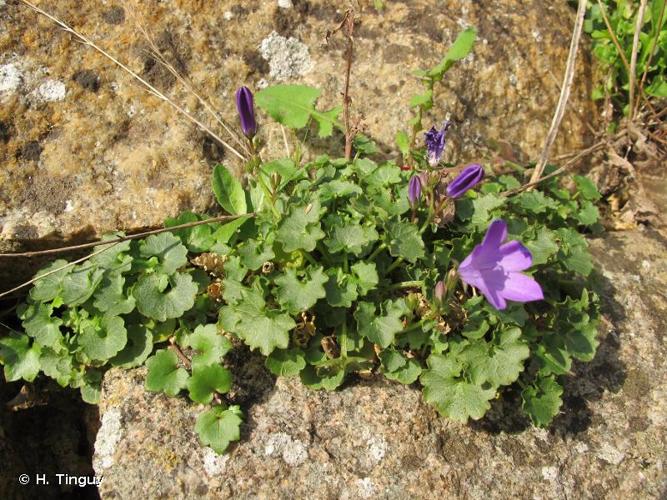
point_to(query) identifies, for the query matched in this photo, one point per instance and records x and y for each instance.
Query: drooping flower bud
(468, 178)
(414, 190)
(246, 109)
(439, 291)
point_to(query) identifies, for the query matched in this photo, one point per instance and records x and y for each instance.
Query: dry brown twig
(568, 78)
(150, 88)
(347, 28)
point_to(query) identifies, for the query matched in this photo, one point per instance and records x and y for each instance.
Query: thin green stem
(405, 284)
(396, 263)
(342, 339)
(310, 258)
(377, 251)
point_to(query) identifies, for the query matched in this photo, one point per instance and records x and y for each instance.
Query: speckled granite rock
(85, 150)
(376, 439)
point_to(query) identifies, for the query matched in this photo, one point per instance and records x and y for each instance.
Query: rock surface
(375, 439)
(85, 150)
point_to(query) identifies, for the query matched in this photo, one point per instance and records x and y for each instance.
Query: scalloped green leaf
(218, 427)
(380, 329)
(49, 287)
(301, 229)
(169, 250)
(103, 339)
(286, 362)
(209, 344)
(161, 297)
(164, 373)
(542, 401)
(404, 240)
(40, 325)
(207, 380)
(21, 359)
(137, 349)
(296, 294)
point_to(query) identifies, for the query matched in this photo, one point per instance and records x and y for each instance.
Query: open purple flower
(246, 109)
(468, 178)
(435, 143)
(495, 269)
(414, 189)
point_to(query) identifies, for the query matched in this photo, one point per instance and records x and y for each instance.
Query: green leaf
(534, 202)
(460, 49)
(260, 328)
(542, 401)
(103, 339)
(49, 287)
(483, 207)
(80, 284)
(407, 374)
(228, 191)
(255, 253)
(501, 363)
(218, 427)
(403, 144)
(110, 297)
(137, 349)
(588, 214)
(404, 240)
(349, 237)
(21, 360)
(327, 379)
(586, 188)
(115, 258)
(206, 380)
(161, 297)
(294, 105)
(392, 360)
(91, 387)
(39, 324)
(380, 329)
(341, 289)
(582, 343)
(297, 295)
(552, 355)
(209, 344)
(543, 247)
(56, 365)
(453, 397)
(301, 229)
(164, 374)
(169, 250)
(224, 233)
(424, 100)
(286, 362)
(365, 276)
(197, 239)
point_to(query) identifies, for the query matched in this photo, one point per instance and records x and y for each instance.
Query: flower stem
(405, 284)
(342, 340)
(377, 251)
(396, 263)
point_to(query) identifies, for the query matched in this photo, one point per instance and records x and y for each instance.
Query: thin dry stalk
(189, 86)
(633, 58)
(566, 166)
(83, 246)
(107, 245)
(564, 94)
(53, 271)
(150, 88)
(282, 129)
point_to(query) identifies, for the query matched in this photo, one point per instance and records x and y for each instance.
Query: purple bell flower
(495, 269)
(414, 189)
(468, 178)
(246, 109)
(435, 143)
